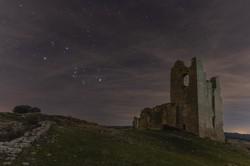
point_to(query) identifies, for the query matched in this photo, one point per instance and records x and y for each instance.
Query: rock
(49, 155)
(10, 158)
(7, 163)
(33, 153)
(14, 147)
(25, 163)
(230, 164)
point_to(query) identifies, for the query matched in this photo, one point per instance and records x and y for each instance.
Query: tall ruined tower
(199, 105)
(196, 104)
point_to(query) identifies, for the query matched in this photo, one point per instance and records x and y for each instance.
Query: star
(83, 82)
(100, 80)
(52, 43)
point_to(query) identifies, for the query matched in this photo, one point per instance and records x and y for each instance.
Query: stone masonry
(196, 104)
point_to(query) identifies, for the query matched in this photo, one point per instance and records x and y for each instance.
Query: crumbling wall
(157, 117)
(210, 105)
(169, 115)
(204, 101)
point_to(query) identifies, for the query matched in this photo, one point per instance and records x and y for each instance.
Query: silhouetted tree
(23, 109)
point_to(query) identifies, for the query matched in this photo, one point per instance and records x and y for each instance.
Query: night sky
(105, 60)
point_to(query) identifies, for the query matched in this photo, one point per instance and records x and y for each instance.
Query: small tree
(24, 109)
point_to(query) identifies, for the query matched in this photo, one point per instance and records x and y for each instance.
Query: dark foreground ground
(83, 144)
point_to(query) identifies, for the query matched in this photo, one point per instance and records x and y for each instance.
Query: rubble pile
(10, 149)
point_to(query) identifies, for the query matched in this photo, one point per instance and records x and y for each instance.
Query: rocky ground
(10, 149)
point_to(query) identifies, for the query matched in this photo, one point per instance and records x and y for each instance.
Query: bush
(24, 109)
(32, 120)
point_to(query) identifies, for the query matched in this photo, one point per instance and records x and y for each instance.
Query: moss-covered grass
(97, 146)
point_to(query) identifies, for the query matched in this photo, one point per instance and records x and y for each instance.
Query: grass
(96, 146)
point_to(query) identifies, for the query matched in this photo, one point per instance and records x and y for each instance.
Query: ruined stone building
(196, 104)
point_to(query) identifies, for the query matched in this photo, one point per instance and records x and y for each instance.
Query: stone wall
(210, 105)
(169, 115)
(157, 117)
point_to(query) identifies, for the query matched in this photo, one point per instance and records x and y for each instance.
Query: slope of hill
(243, 137)
(71, 142)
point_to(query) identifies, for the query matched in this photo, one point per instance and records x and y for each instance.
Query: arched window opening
(186, 80)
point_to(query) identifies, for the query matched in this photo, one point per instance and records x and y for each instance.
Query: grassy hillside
(91, 145)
